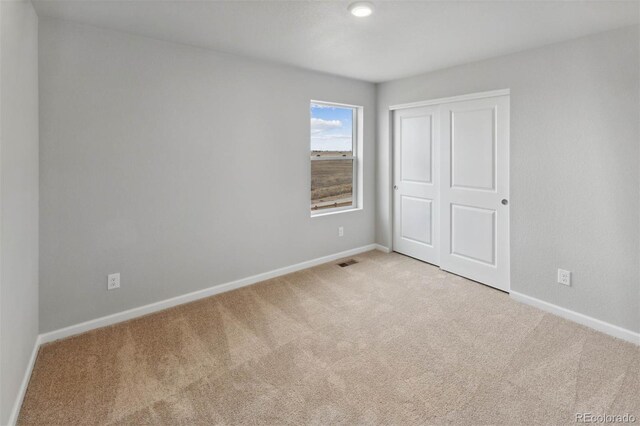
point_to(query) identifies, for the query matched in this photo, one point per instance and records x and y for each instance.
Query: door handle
(395, 187)
(504, 201)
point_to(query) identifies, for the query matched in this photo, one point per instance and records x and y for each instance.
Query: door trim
(470, 96)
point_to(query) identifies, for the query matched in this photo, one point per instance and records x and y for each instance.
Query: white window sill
(332, 212)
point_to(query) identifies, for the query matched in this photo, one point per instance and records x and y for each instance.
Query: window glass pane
(331, 184)
(331, 130)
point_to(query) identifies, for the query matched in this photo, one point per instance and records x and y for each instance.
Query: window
(334, 157)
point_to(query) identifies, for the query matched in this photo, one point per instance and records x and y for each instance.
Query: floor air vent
(348, 263)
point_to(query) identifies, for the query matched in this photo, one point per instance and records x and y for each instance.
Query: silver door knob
(504, 201)
(395, 187)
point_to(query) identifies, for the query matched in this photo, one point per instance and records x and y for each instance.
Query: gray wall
(18, 196)
(178, 167)
(574, 166)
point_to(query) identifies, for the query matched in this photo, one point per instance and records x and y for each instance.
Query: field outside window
(333, 157)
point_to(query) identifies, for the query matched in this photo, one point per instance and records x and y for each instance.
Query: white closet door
(416, 173)
(475, 189)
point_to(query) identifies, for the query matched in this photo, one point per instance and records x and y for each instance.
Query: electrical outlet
(564, 277)
(340, 231)
(113, 281)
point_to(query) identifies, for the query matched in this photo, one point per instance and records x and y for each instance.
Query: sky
(331, 128)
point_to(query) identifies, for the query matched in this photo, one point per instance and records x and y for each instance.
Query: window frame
(356, 154)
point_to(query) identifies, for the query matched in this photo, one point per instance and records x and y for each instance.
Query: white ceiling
(401, 38)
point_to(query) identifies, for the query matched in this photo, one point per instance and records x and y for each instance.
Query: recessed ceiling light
(361, 9)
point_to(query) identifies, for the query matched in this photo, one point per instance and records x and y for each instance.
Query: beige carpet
(389, 340)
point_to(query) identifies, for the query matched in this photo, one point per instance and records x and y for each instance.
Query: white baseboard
(15, 411)
(190, 297)
(596, 324)
(382, 248)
